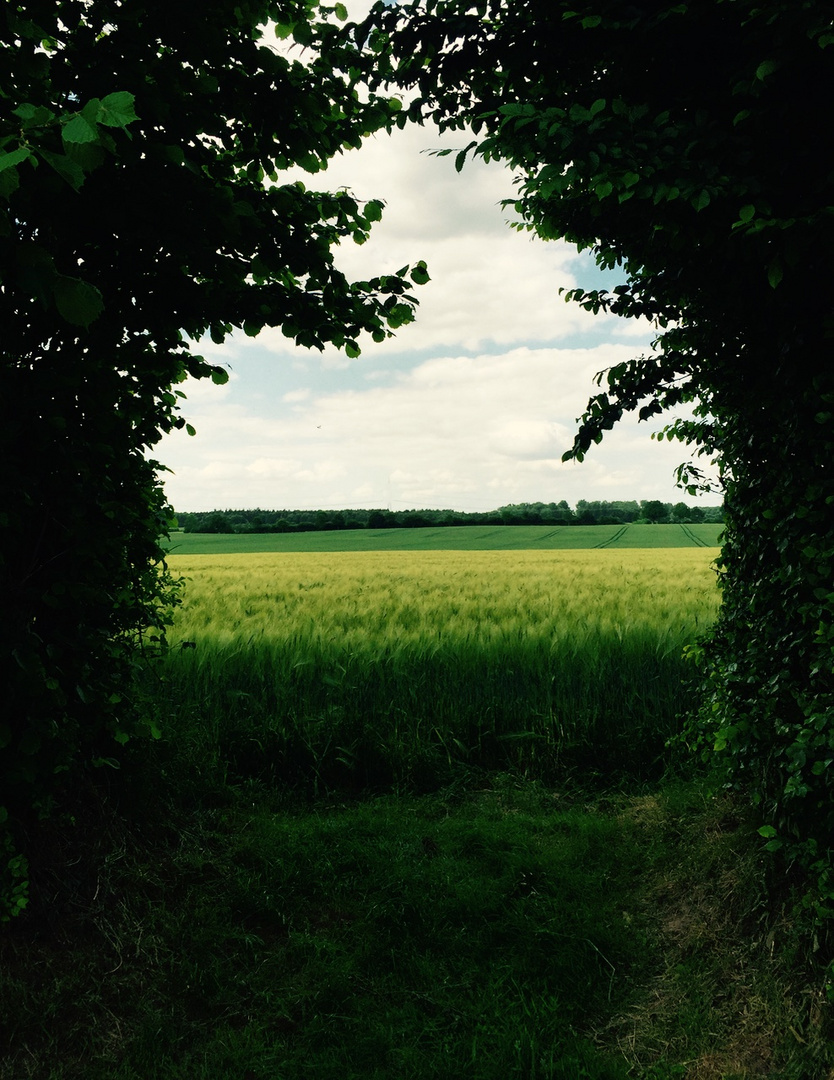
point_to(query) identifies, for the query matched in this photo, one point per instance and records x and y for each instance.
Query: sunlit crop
(378, 661)
(364, 601)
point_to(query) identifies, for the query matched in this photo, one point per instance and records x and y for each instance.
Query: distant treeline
(585, 513)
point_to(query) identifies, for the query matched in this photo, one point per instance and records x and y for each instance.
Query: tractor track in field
(613, 539)
(690, 535)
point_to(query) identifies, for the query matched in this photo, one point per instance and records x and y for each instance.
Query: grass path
(503, 930)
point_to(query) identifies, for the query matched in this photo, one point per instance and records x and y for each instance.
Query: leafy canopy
(141, 208)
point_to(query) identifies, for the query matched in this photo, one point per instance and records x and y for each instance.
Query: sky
(469, 408)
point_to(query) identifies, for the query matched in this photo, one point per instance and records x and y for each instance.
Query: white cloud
(469, 408)
(465, 432)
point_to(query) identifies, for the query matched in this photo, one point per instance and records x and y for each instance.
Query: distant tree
(679, 513)
(654, 511)
(585, 514)
(217, 523)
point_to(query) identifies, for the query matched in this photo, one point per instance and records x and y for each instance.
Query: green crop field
(454, 538)
(393, 668)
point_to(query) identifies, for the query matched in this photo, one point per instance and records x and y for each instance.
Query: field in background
(453, 538)
(394, 669)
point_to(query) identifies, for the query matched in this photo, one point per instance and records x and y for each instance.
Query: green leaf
(219, 376)
(774, 272)
(352, 349)
(67, 169)
(341, 12)
(90, 111)
(33, 115)
(117, 109)
(14, 157)
(9, 183)
(767, 67)
(767, 831)
(420, 274)
(25, 112)
(78, 302)
(79, 130)
(302, 32)
(190, 429)
(460, 158)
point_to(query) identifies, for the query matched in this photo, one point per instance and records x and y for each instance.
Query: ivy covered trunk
(769, 709)
(82, 584)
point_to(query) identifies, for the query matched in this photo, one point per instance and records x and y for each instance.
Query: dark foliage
(136, 142)
(688, 145)
(598, 512)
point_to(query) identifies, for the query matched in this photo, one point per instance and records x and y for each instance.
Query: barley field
(391, 669)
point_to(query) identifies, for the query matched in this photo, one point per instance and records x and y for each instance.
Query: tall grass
(373, 670)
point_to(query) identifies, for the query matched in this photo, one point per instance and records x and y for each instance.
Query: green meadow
(453, 538)
(415, 812)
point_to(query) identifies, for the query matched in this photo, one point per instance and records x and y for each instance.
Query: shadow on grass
(498, 929)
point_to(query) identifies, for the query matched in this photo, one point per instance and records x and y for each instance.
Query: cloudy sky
(469, 408)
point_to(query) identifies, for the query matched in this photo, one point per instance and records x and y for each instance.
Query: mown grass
(453, 538)
(255, 896)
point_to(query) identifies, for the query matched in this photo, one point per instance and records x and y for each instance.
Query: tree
(654, 511)
(141, 208)
(681, 513)
(688, 145)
